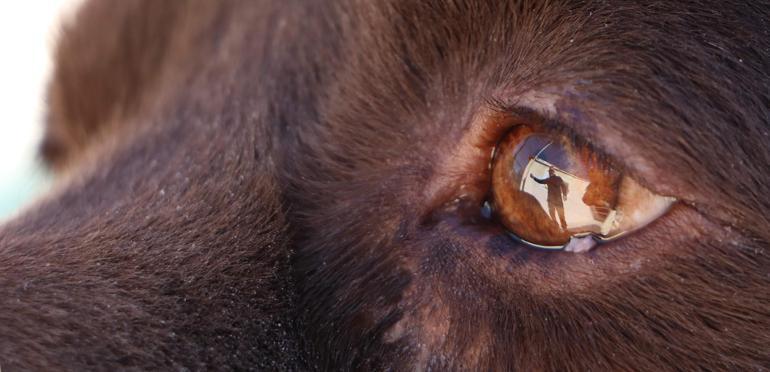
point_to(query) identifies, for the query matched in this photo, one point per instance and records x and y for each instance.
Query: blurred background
(28, 32)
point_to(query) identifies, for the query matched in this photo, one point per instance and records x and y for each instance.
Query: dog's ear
(114, 61)
(106, 63)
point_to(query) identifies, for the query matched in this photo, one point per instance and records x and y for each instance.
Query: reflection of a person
(557, 194)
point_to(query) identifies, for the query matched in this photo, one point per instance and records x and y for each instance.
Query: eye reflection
(550, 194)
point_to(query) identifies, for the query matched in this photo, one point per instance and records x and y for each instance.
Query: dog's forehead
(681, 58)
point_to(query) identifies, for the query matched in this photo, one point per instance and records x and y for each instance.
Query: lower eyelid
(508, 262)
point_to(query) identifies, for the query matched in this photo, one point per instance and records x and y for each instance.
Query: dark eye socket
(551, 193)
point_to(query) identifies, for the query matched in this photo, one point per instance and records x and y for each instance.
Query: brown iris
(547, 192)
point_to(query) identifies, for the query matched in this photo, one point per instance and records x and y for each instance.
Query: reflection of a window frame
(613, 216)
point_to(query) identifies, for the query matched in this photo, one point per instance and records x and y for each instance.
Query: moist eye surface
(548, 192)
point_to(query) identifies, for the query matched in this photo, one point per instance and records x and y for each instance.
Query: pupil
(546, 192)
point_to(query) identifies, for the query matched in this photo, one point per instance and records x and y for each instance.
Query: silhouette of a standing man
(557, 194)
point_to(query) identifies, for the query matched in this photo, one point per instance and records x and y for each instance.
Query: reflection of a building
(580, 217)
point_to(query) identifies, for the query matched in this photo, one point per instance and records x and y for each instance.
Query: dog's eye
(551, 193)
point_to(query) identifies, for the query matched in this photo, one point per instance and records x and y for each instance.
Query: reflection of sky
(546, 149)
(531, 147)
(577, 213)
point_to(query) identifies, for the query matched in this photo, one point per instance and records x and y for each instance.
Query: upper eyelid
(572, 131)
(559, 127)
(595, 122)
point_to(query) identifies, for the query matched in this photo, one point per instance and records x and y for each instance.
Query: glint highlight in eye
(551, 194)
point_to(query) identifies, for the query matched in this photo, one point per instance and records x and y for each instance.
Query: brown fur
(294, 185)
